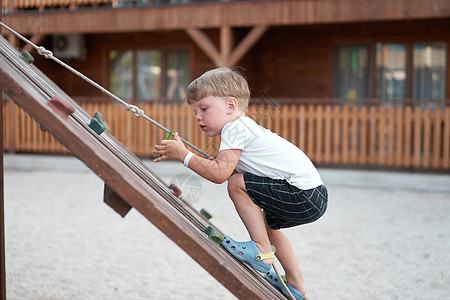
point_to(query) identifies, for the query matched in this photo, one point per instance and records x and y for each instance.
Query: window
(151, 74)
(352, 72)
(429, 68)
(414, 70)
(390, 71)
(148, 74)
(177, 75)
(120, 77)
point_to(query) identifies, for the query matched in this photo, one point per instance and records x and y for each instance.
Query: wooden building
(387, 53)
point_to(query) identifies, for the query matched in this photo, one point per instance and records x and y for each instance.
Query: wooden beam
(216, 14)
(116, 202)
(36, 39)
(205, 43)
(2, 204)
(250, 39)
(226, 44)
(226, 56)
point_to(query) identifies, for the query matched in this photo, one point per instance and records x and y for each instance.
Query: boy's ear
(232, 104)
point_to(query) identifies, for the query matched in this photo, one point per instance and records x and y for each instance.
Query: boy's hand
(171, 149)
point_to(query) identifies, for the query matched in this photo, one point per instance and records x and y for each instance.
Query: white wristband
(187, 159)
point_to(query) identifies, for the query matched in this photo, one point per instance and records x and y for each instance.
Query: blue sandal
(248, 252)
(273, 279)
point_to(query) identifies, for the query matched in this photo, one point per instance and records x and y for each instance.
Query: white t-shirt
(266, 154)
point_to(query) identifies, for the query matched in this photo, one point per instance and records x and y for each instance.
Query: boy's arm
(217, 170)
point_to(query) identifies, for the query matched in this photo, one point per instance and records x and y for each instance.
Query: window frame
(163, 55)
(370, 65)
(371, 84)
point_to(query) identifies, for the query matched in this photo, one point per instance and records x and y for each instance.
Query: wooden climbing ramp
(128, 182)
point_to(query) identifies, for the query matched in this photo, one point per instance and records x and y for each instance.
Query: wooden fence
(331, 135)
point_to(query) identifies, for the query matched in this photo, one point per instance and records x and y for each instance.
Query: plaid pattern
(285, 205)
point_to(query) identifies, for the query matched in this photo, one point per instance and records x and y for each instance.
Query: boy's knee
(235, 182)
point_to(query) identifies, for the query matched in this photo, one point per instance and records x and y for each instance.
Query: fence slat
(390, 136)
(337, 134)
(327, 137)
(398, 140)
(446, 139)
(437, 142)
(417, 138)
(426, 142)
(354, 125)
(363, 136)
(318, 135)
(381, 138)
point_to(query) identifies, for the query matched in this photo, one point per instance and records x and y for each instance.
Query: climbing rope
(129, 107)
(280, 278)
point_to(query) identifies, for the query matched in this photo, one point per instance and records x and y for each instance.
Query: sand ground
(386, 235)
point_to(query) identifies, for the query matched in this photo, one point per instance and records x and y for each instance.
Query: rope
(132, 108)
(280, 278)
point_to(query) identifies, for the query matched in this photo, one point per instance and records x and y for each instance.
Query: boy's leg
(250, 214)
(287, 258)
(255, 222)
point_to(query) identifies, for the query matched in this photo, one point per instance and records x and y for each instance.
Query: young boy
(271, 182)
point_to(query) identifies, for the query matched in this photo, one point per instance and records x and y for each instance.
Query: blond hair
(220, 82)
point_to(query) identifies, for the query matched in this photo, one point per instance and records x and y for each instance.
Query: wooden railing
(14, 5)
(331, 135)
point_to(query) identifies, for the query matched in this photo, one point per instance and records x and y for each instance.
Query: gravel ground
(386, 235)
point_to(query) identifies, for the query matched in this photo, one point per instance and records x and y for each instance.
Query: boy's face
(212, 113)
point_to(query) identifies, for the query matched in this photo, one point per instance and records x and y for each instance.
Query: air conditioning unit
(69, 46)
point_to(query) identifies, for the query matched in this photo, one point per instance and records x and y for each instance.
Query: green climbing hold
(205, 214)
(214, 235)
(101, 120)
(27, 57)
(96, 126)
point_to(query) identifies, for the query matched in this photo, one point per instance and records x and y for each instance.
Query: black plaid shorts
(283, 204)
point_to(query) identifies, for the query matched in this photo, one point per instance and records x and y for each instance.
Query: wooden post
(2, 214)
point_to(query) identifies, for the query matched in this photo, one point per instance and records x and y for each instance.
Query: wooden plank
(310, 117)
(363, 136)
(426, 141)
(417, 138)
(354, 126)
(244, 46)
(398, 136)
(226, 44)
(407, 125)
(116, 202)
(381, 149)
(337, 134)
(205, 43)
(437, 142)
(130, 179)
(345, 134)
(319, 134)
(3, 4)
(372, 135)
(390, 137)
(213, 15)
(446, 139)
(302, 127)
(327, 137)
